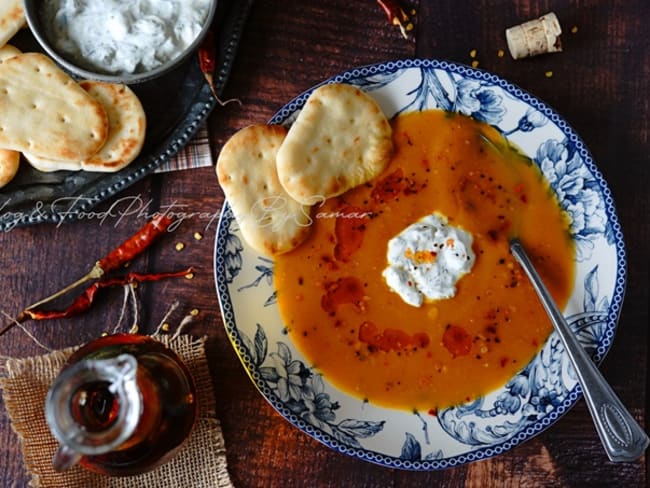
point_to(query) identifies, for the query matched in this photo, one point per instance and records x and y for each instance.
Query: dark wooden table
(599, 84)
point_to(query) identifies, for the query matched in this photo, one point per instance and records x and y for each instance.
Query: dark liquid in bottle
(169, 405)
(94, 406)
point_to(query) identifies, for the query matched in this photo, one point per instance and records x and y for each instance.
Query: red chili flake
(503, 361)
(457, 341)
(390, 187)
(433, 412)
(411, 187)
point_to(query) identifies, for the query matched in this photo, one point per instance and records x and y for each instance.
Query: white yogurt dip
(426, 260)
(124, 36)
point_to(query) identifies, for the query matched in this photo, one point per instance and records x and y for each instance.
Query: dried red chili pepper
(84, 301)
(397, 16)
(122, 254)
(208, 63)
(207, 60)
(134, 245)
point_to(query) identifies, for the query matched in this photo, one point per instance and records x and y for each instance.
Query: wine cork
(538, 36)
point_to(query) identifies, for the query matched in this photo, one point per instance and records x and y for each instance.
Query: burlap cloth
(200, 463)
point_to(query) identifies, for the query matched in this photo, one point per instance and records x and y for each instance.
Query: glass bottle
(122, 405)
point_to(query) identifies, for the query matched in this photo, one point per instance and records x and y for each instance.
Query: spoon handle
(623, 438)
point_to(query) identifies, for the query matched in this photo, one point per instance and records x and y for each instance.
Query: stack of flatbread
(55, 122)
(272, 176)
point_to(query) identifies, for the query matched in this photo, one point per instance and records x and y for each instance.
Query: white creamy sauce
(124, 36)
(426, 260)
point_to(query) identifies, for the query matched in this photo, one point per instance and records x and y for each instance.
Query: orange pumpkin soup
(362, 336)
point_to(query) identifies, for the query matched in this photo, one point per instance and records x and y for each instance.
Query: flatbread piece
(127, 130)
(9, 164)
(270, 220)
(9, 160)
(46, 113)
(340, 139)
(12, 19)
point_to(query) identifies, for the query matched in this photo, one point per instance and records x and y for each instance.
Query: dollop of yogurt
(118, 36)
(426, 260)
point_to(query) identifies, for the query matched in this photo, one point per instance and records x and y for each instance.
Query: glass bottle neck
(94, 406)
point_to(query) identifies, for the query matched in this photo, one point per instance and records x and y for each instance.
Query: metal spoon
(623, 438)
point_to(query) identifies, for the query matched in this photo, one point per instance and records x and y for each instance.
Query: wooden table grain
(599, 83)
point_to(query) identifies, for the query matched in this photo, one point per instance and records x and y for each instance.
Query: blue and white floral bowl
(533, 399)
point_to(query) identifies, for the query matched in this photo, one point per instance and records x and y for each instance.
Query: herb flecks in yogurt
(426, 260)
(119, 37)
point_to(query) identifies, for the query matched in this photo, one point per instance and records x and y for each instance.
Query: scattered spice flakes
(189, 276)
(574, 29)
(472, 54)
(194, 312)
(165, 327)
(500, 53)
(548, 74)
(198, 236)
(397, 16)
(180, 246)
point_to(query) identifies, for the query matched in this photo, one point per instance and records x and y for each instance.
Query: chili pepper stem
(95, 273)
(18, 320)
(210, 79)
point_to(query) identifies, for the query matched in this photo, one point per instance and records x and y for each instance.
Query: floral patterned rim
(532, 400)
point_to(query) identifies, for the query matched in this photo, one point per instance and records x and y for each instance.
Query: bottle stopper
(538, 36)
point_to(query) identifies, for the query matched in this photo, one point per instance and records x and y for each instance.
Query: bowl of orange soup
(416, 370)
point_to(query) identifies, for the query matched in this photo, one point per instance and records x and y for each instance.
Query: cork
(538, 36)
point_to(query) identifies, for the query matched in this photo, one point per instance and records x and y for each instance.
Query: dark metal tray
(175, 105)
